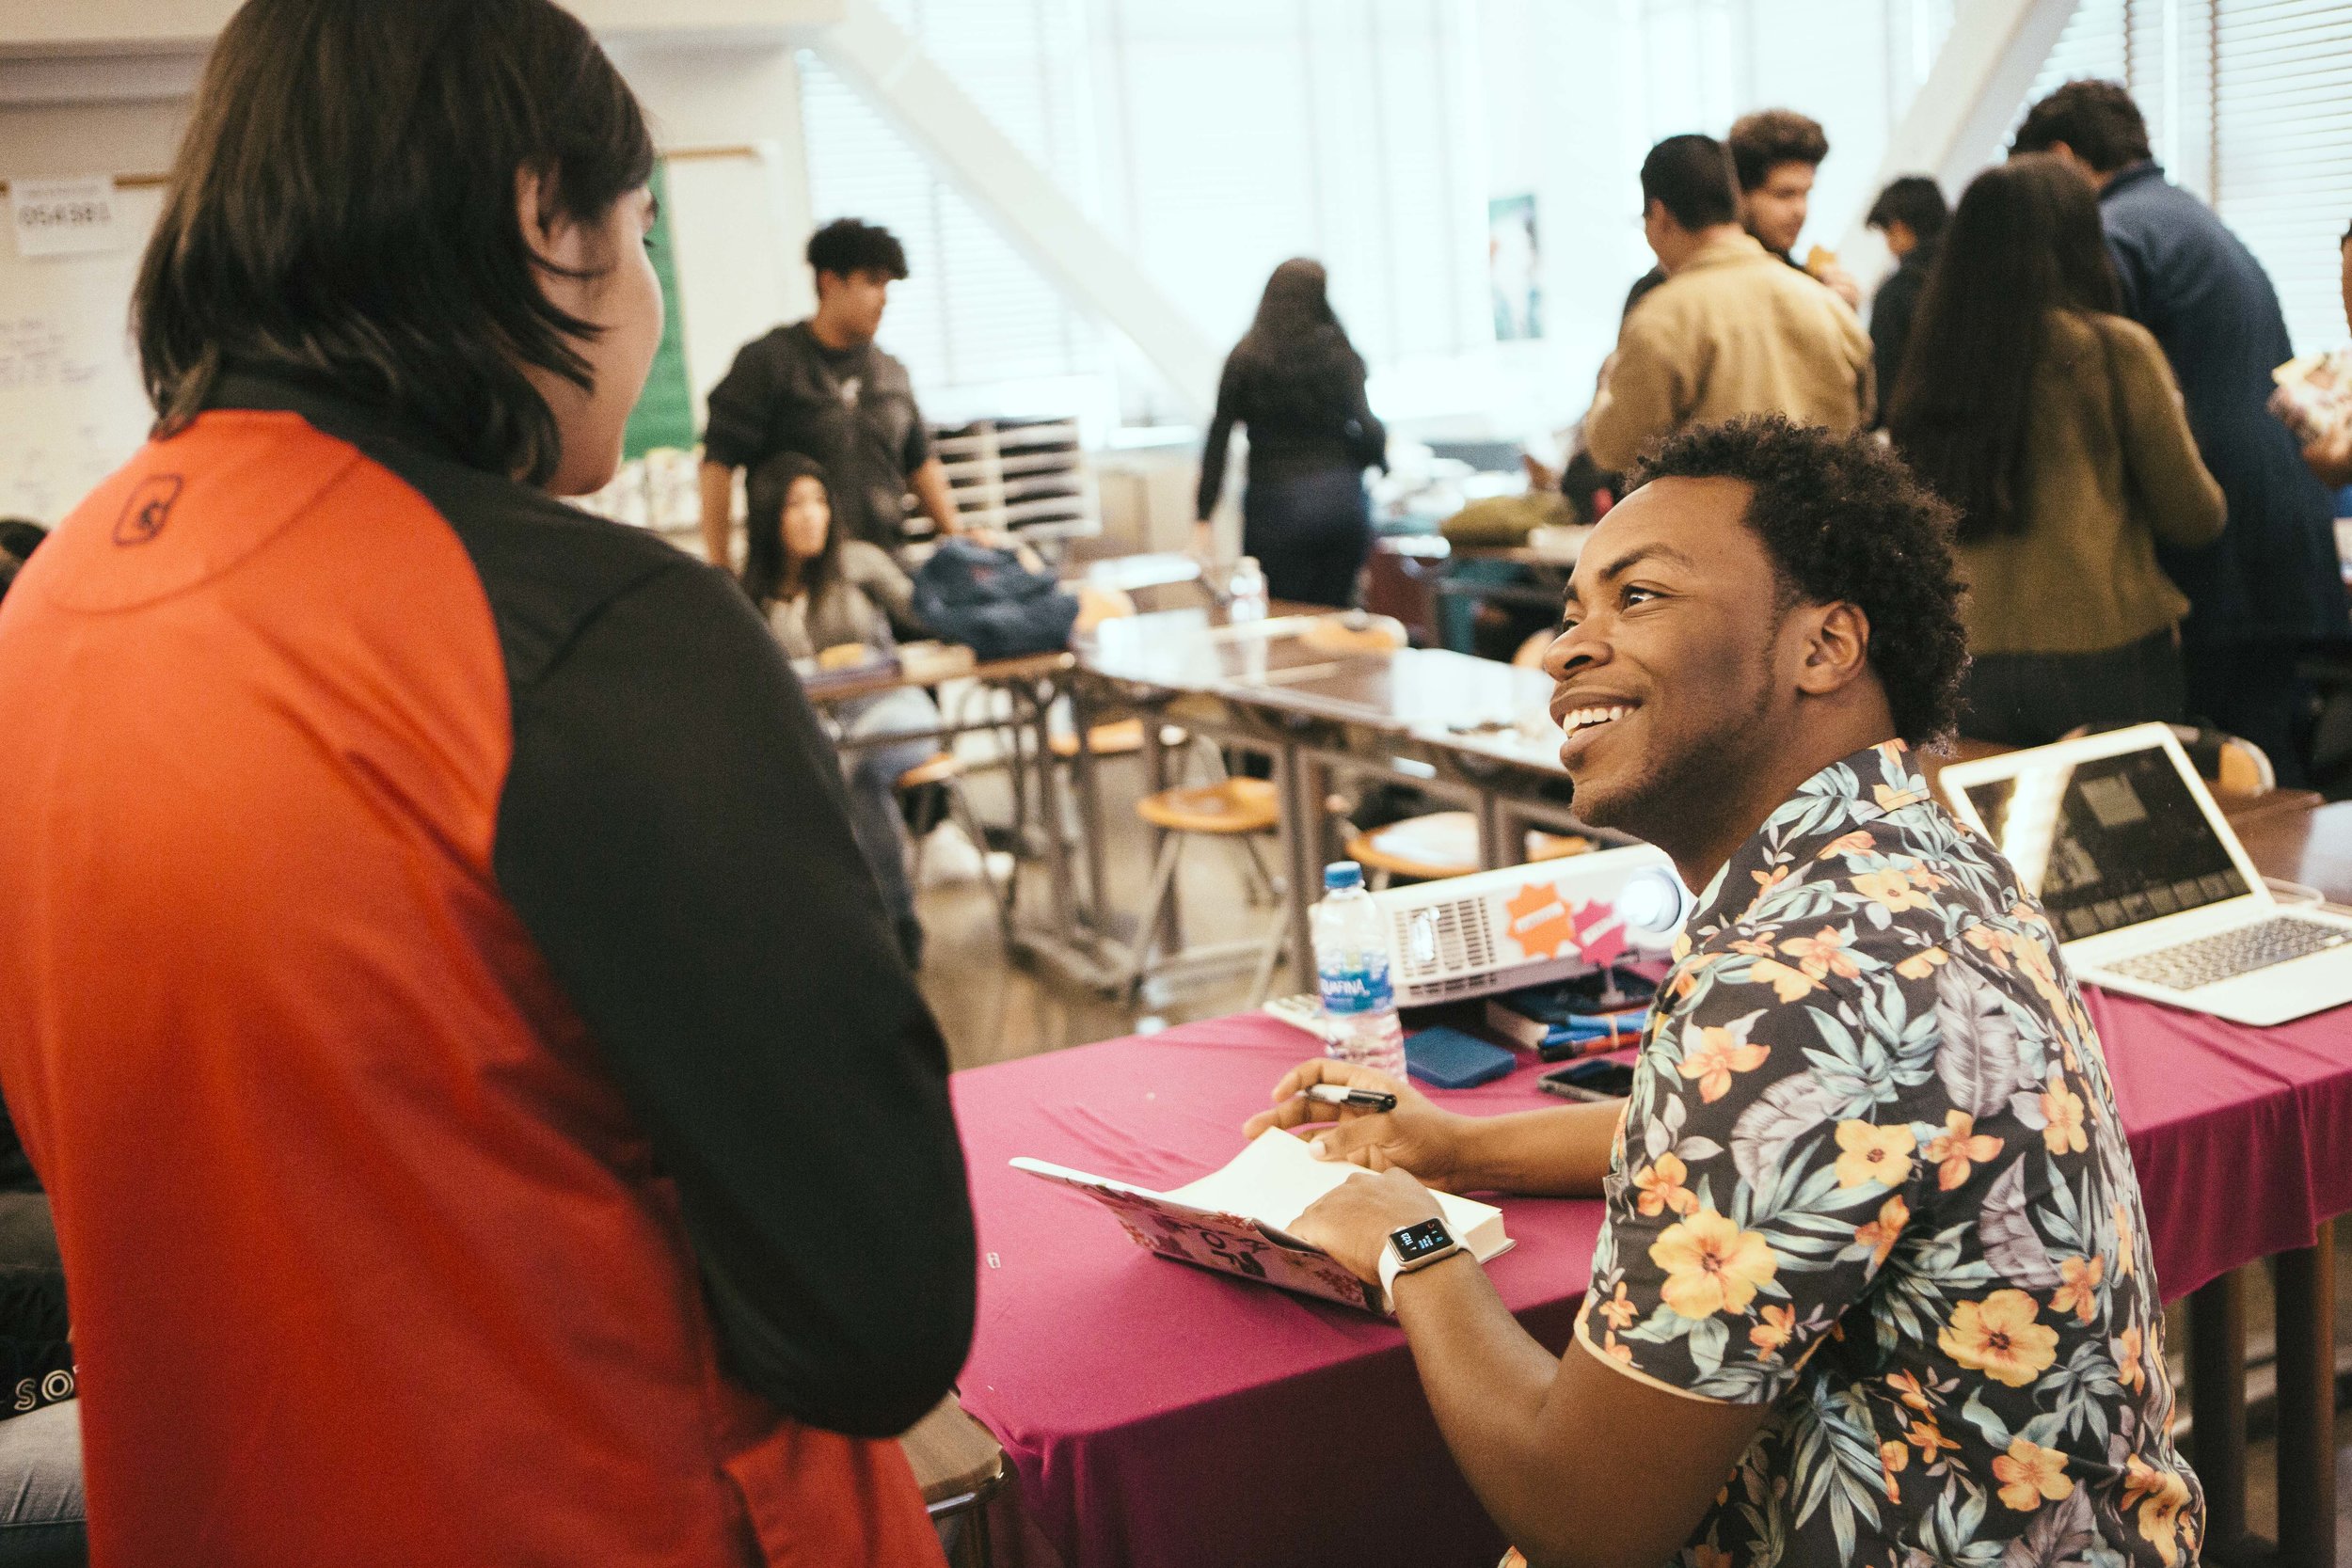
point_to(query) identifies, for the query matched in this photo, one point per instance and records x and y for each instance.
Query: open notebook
(1236, 1220)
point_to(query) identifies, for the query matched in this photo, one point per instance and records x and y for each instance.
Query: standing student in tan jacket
(1733, 329)
(2055, 428)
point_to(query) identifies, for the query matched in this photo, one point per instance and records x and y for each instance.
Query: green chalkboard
(665, 415)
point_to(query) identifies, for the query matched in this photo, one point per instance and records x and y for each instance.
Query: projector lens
(1650, 901)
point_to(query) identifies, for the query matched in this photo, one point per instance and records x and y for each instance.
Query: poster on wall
(1513, 265)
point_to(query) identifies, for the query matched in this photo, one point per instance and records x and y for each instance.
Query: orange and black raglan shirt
(487, 1115)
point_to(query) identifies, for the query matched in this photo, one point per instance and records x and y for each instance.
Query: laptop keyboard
(2209, 961)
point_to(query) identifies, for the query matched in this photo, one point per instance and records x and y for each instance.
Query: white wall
(739, 190)
(739, 206)
(55, 138)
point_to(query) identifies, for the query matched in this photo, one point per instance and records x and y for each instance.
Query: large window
(1213, 139)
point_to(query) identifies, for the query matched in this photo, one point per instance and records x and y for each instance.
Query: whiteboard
(72, 409)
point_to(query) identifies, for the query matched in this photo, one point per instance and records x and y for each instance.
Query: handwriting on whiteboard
(36, 352)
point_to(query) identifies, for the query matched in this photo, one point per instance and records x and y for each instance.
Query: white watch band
(1391, 1266)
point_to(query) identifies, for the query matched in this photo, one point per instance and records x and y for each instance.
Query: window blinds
(2282, 149)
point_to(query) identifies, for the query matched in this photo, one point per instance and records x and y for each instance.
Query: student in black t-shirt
(821, 388)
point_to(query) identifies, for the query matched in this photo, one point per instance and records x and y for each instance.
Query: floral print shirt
(1871, 1174)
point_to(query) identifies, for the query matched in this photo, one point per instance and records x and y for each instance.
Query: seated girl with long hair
(818, 593)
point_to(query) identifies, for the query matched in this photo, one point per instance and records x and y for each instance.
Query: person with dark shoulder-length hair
(2054, 427)
(1297, 384)
(488, 1115)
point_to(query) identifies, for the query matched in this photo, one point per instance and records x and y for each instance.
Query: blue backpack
(988, 601)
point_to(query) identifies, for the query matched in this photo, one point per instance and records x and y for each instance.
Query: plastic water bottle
(1245, 592)
(1351, 972)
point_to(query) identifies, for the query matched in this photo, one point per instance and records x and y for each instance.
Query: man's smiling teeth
(1585, 716)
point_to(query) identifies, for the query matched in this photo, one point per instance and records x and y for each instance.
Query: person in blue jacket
(2271, 586)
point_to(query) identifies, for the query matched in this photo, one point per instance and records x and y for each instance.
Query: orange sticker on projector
(1541, 922)
(1546, 926)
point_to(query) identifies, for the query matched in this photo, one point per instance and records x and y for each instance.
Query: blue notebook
(1446, 1059)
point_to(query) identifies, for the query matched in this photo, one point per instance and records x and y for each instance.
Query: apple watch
(1416, 1247)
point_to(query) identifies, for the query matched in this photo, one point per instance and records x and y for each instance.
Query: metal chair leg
(1262, 981)
(1163, 878)
(1261, 878)
(960, 807)
(919, 834)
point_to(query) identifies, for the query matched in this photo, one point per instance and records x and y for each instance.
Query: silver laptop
(2150, 892)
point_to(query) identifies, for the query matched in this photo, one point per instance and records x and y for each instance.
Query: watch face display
(1417, 1241)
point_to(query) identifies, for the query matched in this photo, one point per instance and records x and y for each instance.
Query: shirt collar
(1731, 247)
(1872, 784)
(2132, 174)
(328, 409)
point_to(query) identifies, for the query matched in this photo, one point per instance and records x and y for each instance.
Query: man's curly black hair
(850, 244)
(1843, 519)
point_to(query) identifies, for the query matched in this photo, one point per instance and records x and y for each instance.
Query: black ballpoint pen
(1363, 1099)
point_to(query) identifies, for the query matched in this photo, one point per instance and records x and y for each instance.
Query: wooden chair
(2244, 768)
(1231, 809)
(1440, 845)
(944, 776)
(960, 1466)
(1122, 738)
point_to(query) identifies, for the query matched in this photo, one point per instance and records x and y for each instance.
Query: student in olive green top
(2055, 426)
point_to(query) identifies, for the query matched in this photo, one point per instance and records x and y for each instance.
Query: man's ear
(1837, 650)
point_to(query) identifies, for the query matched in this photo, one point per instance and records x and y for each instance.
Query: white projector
(1498, 930)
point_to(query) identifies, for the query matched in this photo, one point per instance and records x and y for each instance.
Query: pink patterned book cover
(1274, 1180)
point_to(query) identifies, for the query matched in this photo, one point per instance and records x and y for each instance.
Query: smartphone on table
(1595, 1078)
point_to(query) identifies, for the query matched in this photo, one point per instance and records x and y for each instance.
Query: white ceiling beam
(889, 67)
(1982, 75)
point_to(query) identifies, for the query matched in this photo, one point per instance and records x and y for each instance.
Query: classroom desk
(1159, 1415)
(2311, 846)
(1542, 583)
(1473, 730)
(1032, 684)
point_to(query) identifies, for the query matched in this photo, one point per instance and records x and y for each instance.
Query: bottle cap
(1341, 874)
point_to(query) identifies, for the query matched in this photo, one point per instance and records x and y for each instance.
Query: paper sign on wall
(65, 217)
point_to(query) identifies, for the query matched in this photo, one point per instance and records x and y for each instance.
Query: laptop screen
(2107, 842)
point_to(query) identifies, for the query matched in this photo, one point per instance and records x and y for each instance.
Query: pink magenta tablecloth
(1161, 1416)
(1165, 1416)
(2243, 1136)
